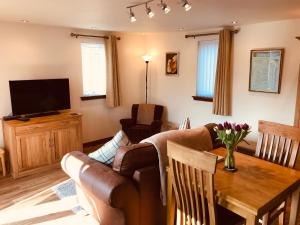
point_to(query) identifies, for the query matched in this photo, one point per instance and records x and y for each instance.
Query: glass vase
(229, 161)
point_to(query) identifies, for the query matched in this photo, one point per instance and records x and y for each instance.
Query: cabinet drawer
(42, 127)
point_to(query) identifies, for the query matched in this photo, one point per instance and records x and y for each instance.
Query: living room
(35, 44)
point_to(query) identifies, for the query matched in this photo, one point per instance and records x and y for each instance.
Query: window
(93, 70)
(207, 64)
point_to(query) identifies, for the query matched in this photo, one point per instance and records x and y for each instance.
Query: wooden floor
(30, 200)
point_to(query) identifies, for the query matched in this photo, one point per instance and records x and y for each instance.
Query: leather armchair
(135, 129)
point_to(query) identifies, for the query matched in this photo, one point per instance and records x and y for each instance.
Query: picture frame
(266, 70)
(172, 63)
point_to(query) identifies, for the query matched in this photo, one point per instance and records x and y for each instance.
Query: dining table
(256, 187)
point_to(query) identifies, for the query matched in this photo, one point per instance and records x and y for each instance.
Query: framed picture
(172, 63)
(266, 70)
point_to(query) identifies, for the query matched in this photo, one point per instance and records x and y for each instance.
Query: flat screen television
(39, 96)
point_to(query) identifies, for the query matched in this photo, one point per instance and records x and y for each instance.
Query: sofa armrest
(125, 123)
(99, 180)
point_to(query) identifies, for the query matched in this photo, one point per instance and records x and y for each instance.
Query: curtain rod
(207, 34)
(92, 36)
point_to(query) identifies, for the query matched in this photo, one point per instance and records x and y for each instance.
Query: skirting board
(96, 142)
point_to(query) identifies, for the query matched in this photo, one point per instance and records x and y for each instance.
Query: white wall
(35, 52)
(32, 52)
(175, 92)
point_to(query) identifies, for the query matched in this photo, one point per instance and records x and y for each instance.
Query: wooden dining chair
(191, 181)
(279, 144)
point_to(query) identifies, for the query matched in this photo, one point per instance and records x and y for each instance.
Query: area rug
(68, 189)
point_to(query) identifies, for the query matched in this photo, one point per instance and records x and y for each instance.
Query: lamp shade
(147, 58)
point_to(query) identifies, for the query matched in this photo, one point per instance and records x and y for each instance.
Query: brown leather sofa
(128, 192)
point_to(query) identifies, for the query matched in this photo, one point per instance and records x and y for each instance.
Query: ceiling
(113, 15)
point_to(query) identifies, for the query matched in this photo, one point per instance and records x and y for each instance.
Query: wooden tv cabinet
(40, 144)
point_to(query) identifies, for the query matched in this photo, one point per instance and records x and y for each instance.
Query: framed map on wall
(266, 70)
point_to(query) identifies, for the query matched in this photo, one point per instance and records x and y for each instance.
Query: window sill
(92, 97)
(204, 99)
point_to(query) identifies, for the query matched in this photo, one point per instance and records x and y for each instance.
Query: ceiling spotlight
(234, 22)
(186, 5)
(132, 16)
(149, 12)
(165, 7)
(25, 21)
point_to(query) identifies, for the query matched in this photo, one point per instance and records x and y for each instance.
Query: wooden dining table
(256, 187)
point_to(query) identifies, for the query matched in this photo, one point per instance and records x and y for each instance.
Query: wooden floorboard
(31, 200)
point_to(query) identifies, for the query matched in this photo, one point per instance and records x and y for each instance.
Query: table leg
(251, 220)
(294, 207)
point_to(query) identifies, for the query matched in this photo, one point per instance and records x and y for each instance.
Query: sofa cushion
(131, 158)
(107, 152)
(145, 114)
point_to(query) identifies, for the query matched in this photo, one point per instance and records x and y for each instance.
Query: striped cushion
(107, 152)
(185, 124)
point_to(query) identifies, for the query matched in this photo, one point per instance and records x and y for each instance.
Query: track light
(132, 16)
(165, 7)
(149, 12)
(186, 5)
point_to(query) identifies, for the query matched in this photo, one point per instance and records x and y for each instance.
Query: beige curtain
(222, 93)
(112, 72)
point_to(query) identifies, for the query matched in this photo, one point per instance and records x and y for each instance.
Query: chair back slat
(192, 174)
(271, 147)
(210, 197)
(265, 144)
(294, 153)
(201, 191)
(259, 143)
(176, 174)
(185, 196)
(278, 143)
(287, 151)
(281, 145)
(191, 197)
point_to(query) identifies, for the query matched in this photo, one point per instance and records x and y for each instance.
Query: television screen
(37, 96)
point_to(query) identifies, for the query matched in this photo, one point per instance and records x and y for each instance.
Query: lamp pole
(147, 63)
(147, 59)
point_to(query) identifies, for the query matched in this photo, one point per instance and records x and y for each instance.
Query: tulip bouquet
(231, 134)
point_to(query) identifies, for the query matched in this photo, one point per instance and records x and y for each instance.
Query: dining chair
(191, 181)
(277, 143)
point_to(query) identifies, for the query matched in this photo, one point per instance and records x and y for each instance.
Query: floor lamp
(147, 59)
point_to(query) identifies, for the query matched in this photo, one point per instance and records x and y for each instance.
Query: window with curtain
(93, 70)
(207, 64)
